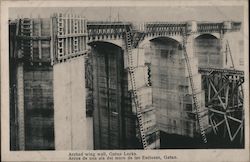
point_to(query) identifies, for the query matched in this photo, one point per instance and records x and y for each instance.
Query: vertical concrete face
(90, 133)
(34, 104)
(194, 63)
(192, 27)
(169, 85)
(20, 105)
(33, 97)
(38, 101)
(71, 125)
(144, 92)
(172, 94)
(207, 48)
(114, 123)
(197, 83)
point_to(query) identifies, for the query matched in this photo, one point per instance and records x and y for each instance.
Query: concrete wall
(32, 106)
(72, 129)
(114, 123)
(144, 92)
(207, 48)
(172, 94)
(20, 106)
(32, 88)
(167, 72)
(38, 102)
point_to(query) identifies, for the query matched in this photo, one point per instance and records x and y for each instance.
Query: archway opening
(207, 49)
(170, 86)
(113, 128)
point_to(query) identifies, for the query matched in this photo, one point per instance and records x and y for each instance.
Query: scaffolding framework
(224, 99)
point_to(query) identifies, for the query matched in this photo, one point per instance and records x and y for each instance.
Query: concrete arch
(215, 35)
(116, 42)
(207, 47)
(146, 40)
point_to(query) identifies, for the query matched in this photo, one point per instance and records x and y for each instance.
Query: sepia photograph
(125, 78)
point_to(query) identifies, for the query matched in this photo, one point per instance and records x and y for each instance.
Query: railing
(106, 28)
(209, 27)
(168, 28)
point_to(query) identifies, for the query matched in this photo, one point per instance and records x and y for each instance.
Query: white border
(182, 154)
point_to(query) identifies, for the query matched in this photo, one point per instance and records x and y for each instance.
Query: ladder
(75, 39)
(60, 44)
(17, 45)
(27, 45)
(196, 103)
(135, 97)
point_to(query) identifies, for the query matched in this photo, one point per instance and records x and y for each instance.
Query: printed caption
(117, 156)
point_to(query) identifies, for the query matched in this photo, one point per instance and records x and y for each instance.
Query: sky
(139, 14)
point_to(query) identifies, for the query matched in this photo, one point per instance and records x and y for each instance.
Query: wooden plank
(31, 41)
(226, 95)
(34, 38)
(66, 33)
(16, 34)
(39, 41)
(70, 24)
(218, 93)
(209, 89)
(52, 41)
(228, 128)
(223, 105)
(80, 28)
(237, 131)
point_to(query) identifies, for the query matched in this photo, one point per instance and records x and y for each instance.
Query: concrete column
(227, 25)
(72, 129)
(193, 59)
(190, 49)
(20, 106)
(191, 27)
(144, 93)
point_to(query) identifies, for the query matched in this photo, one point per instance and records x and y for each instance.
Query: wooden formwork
(69, 33)
(55, 39)
(34, 44)
(224, 99)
